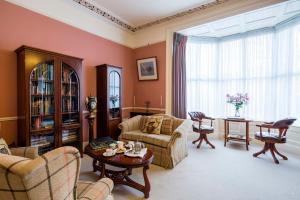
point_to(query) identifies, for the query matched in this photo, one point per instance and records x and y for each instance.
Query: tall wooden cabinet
(109, 98)
(49, 99)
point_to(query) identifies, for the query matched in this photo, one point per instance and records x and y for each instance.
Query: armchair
(272, 138)
(203, 130)
(53, 175)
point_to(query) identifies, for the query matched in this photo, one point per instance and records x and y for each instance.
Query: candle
(133, 101)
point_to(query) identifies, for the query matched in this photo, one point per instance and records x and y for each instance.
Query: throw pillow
(167, 126)
(153, 125)
(143, 121)
(4, 147)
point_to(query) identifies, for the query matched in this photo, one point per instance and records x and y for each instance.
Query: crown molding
(125, 25)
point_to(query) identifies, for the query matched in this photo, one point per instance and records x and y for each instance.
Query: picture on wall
(147, 69)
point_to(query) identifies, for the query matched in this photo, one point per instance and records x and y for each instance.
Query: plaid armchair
(53, 175)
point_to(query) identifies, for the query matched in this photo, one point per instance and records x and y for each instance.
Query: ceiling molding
(104, 14)
(125, 25)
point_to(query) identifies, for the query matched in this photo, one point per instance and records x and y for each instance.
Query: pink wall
(151, 90)
(23, 27)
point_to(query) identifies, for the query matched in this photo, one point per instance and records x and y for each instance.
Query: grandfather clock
(109, 95)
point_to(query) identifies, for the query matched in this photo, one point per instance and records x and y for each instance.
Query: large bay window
(263, 63)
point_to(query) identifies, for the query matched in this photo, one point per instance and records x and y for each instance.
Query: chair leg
(264, 150)
(198, 146)
(273, 155)
(276, 151)
(197, 139)
(207, 142)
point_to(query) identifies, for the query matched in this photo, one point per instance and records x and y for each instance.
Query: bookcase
(49, 99)
(109, 97)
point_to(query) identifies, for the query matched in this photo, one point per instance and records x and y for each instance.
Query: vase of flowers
(238, 101)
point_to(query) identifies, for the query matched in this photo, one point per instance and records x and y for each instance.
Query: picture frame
(147, 69)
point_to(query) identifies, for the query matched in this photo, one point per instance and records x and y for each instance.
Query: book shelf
(49, 99)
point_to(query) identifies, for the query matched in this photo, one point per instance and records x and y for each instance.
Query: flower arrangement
(114, 99)
(238, 101)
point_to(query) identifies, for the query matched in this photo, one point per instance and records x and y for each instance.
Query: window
(263, 63)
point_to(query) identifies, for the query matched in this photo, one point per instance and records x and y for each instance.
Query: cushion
(4, 147)
(143, 121)
(270, 135)
(156, 140)
(153, 124)
(167, 126)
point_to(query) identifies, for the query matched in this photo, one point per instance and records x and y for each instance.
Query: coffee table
(126, 163)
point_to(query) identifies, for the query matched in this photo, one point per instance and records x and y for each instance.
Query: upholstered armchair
(53, 175)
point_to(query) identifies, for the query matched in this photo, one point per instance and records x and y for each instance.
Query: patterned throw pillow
(153, 125)
(4, 147)
(143, 121)
(167, 126)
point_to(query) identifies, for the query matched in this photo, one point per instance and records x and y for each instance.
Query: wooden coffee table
(121, 161)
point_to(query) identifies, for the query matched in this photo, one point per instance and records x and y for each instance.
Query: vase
(237, 113)
(91, 104)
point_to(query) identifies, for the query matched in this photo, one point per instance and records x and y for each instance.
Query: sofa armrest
(98, 191)
(130, 124)
(184, 128)
(27, 152)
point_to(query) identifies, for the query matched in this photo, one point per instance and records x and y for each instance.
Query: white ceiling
(261, 18)
(139, 12)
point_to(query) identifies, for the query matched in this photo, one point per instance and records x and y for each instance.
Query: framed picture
(147, 69)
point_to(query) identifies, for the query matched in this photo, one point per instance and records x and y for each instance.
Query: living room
(84, 73)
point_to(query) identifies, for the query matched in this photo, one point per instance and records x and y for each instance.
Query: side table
(242, 138)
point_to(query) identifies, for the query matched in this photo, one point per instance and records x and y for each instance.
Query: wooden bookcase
(49, 99)
(109, 113)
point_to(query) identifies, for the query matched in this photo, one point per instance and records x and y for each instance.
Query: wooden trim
(4, 119)
(143, 108)
(44, 51)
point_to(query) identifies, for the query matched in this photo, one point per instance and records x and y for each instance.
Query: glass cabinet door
(70, 112)
(114, 94)
(42, 104)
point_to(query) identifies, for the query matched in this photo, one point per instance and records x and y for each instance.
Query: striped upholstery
(157, 140)
(53, 176)
(27, 152)
(168, 150)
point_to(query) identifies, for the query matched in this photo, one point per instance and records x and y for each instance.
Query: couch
(53, 175)
(168, 150)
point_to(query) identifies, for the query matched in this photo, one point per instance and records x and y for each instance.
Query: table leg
(225, 133)
(146, 180)
(94, 165)
(102, 172)
(247, 135)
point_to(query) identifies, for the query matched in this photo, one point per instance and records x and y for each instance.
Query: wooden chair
(270, 139)
(203, 130)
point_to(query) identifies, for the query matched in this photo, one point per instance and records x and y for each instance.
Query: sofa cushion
(157, 140)
(167, 126)
(153, 125)
(4, 147)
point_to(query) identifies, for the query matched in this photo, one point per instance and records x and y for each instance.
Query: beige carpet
(229, 173)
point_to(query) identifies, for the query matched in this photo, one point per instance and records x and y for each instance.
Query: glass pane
(114, 94)
(71, 137)
(43, 142)
(42, 96)
(70, 95)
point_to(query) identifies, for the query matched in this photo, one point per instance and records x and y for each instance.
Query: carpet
(227, 173)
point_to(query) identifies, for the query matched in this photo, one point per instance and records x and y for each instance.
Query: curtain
(179, 76)
(264, 63)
